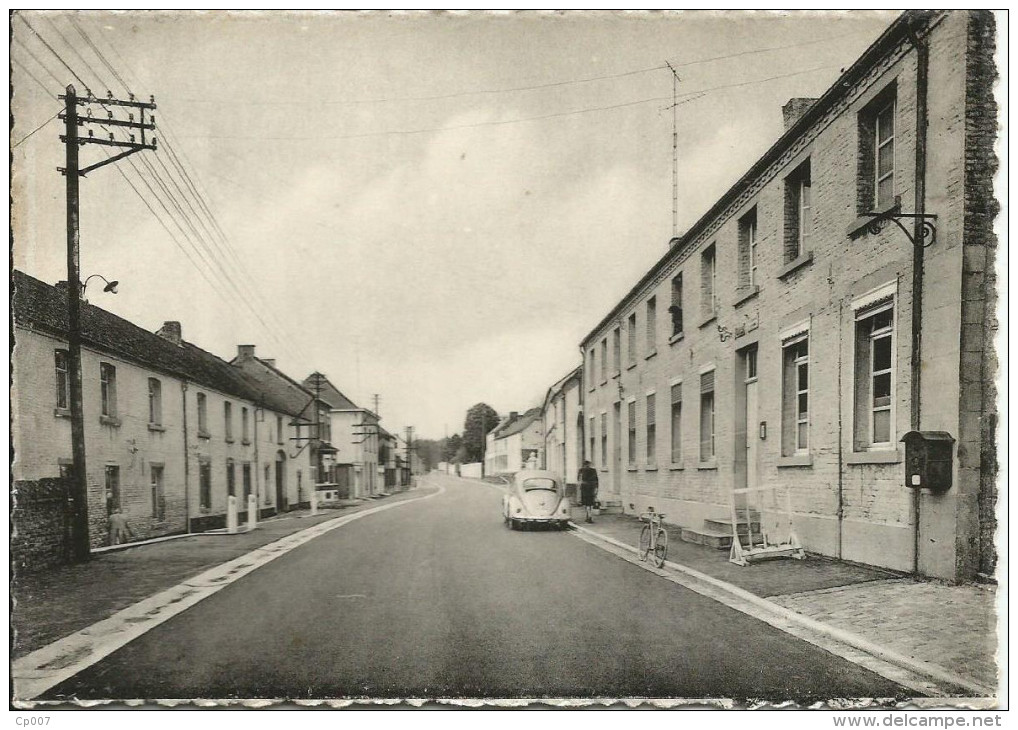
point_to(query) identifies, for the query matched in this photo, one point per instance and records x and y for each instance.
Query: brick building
(171, 431)
(790, 338)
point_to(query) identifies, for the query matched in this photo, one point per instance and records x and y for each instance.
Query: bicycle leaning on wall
(653, 537)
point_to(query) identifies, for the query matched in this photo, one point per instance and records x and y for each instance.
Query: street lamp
(111, 286)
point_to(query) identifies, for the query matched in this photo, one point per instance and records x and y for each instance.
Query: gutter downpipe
(922, 80)
(187, 466)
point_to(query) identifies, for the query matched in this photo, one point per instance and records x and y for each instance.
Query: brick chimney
(794, 109)
(171, 331)
(245, 352)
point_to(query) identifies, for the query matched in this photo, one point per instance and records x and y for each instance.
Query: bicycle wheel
(644, 542)
(661, 548)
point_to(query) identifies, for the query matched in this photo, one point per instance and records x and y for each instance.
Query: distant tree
(451, 447)
(429, 452)
(481, 419)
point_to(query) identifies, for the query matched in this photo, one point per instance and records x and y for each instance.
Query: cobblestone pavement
(953, 626)
(59, 602)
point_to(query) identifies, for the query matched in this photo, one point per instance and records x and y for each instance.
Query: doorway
(749, 420)
(617, 448)
(281, 505)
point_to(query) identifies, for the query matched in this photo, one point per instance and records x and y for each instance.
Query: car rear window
(531, 484)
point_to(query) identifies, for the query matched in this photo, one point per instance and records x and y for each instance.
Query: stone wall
(40, 524)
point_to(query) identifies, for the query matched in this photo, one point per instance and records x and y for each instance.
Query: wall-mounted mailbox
(929, 460)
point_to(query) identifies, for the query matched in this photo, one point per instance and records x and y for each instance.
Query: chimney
(513, 415)
(794, 109)
(245, 352)
(673, 240)
(171, 331)
(270, 361)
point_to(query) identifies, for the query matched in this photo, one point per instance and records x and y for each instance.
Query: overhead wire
(55, 115)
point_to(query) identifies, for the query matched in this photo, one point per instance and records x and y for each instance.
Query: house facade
(563, 424)
(355, 437)
(516, 443)
(794, 334)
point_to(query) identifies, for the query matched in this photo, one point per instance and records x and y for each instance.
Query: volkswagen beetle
(535, 497)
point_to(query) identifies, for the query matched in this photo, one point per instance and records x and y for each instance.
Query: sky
(431, 207)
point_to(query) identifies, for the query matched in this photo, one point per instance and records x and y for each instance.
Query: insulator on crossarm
(132, 137)
(131, 96)
(90, 133)
(151, 99)
(109, 94)
(110, 113)
(154, 140)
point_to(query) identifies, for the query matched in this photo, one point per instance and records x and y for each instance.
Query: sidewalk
(951, 626)
(59, 602)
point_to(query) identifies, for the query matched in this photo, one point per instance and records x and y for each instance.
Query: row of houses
(839, 296)
(172, 431)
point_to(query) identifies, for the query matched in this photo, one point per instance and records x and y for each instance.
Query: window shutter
(651, 410)
(707, 382)
(677, 393)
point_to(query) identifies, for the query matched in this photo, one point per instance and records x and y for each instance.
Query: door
(280, 485)
(617, 448)
(752, 420)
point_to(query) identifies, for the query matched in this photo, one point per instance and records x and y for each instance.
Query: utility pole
(409, 454)
(375, 397)
(675, 149)
(80, 544)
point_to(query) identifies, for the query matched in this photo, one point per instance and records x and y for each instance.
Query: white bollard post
(252, 512)
(314, 502)
(231, 514)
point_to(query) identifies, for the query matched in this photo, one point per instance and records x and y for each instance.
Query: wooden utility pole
(80, 543)
(410, 454)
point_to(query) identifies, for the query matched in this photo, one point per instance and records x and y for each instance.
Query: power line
(36, 129)
(38, 61)
(58, 56)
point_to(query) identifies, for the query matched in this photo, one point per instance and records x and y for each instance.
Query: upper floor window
(108, 388)
(244, 425)
(604, 359)
(876, 185)
(617, 350)
(708, 278)
(203, 415)
(155, 401)
(651, 429)
(798, 212)
(62, 378)
(631, 344)
(748, 259)
(591, 367)
(651, 325)
(279, 429)
(228, 420)
(676, 309)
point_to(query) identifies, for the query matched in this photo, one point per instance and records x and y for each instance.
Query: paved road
(439, 599)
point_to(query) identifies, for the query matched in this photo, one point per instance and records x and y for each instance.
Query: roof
(43, 307)
(317, 382)
(573, 374)
(277, 390)
(895, 33)
(520, 423)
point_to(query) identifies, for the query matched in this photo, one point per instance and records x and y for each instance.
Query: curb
(47, 667)
(938, 674)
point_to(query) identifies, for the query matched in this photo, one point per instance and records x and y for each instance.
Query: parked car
(535, 497)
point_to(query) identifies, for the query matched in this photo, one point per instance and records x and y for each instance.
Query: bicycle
(653, 537)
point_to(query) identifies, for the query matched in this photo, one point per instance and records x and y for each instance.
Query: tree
(451, 447)
(481, 419)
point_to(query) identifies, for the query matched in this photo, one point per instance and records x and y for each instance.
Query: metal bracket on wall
(928, 232)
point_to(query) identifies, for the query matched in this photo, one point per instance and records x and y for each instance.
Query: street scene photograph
(532, 359)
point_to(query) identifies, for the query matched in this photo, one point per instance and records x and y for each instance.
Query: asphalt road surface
(439, 599)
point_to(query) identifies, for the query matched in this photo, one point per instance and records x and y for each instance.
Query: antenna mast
(675, 149)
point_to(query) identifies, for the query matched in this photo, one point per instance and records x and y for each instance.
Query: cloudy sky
(432, 207)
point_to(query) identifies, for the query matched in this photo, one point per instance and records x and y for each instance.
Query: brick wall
(40, 524)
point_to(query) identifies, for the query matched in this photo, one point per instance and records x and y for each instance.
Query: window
(593, 437)
(604, 439)
(798, 213)
(651, 429)
(617, 350)
(676, 309)
(874, 398)
(279, 429)
(62, 378)
(112, 489)
(795, 398)
(268, 492)
(158, 498)
(632, 432)
(228, 420)
(155, 401)
(885, 156)
(651, 325)
(747, 251)
(244, 426)
(707, 416)
(231, 479)
(203, 420)
(708, 274)
(876, 188)
(604, 359)
(631, 348)
(245, 475)
(677, 423)
(108, 387)
(205, 485)
(591, 367)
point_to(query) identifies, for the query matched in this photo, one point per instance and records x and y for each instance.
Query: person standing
(588, 488)
(120, 531)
